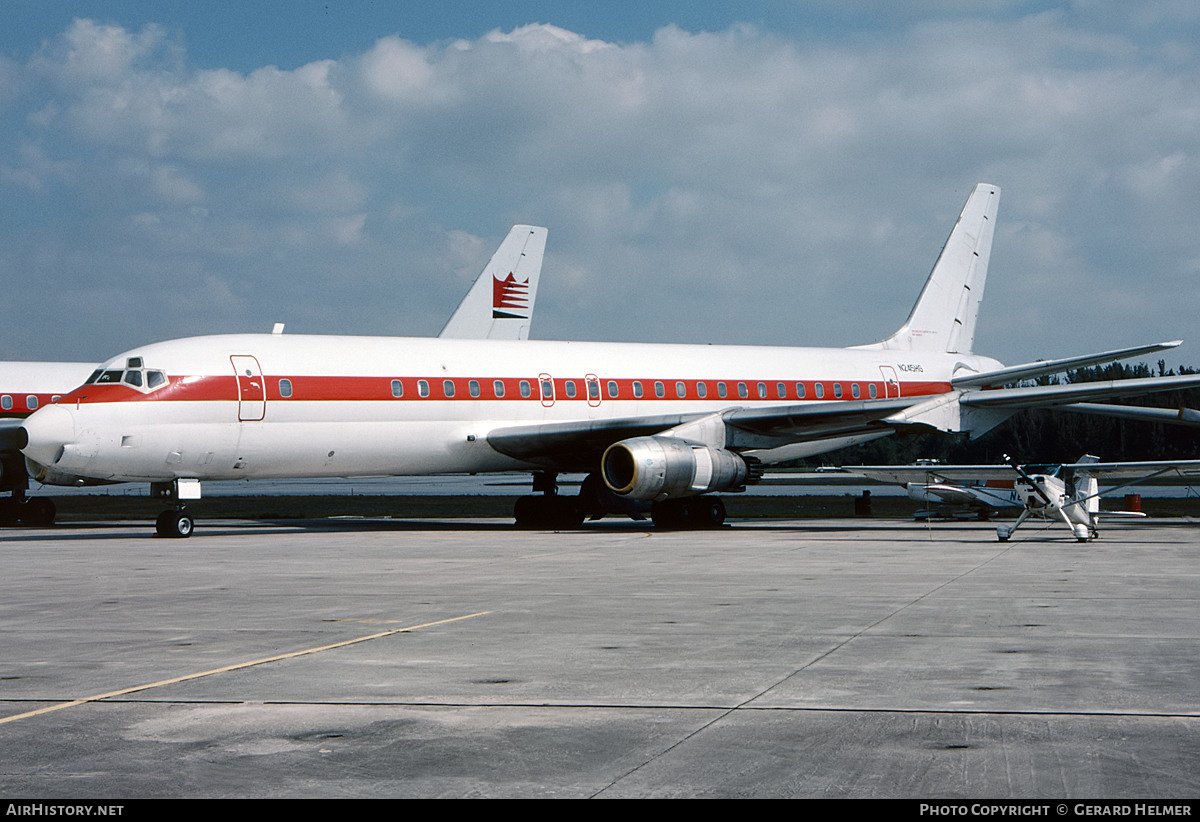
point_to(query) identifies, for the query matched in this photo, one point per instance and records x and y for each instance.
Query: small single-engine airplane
(665, 424)
(1067, 492)
(498, 306)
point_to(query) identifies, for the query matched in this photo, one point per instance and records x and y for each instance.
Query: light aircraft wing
(499, 305)
(963, 473)
(903, 474)
(1186, 469)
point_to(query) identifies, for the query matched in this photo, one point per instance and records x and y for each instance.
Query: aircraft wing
(1175, 416)
(578, 445)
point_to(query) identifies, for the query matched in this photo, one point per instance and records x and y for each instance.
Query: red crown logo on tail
(510, 298)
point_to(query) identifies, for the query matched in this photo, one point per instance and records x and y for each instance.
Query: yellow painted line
(235, 667)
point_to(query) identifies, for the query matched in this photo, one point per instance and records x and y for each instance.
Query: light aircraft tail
(499, 305)
(944, 317)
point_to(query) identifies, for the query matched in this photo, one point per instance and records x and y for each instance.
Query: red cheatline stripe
(467, 389)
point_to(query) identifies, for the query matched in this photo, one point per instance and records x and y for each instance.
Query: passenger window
(872, 390)
(498, 388)
(800, 390)
(526, 389)
(660, 390)
(819, 390)
(448, 388)
(569, 388)
(781, 390)
(722, 391)
(547, 389)
(637, 389)
(593, 388)
(680, 390)
(31, 402)
(612, 389)
(423, 388)
(743, 391)
(397, 389)
(473, 387)
(701, 390)
(762, 390)
(837, 390)
(6, 402)
(285, 388)
(855, 391)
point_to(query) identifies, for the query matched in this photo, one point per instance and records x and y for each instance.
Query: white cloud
(723, 186)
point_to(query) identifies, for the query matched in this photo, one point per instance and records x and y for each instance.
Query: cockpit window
(135, 375)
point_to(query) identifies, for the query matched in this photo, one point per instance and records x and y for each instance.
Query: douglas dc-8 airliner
(668, 425)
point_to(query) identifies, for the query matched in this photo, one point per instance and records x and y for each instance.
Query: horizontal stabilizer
(1045, 395)
(1041, 368)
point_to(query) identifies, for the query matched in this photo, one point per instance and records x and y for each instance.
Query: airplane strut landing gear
(689, 512)
(548, 510)
(175, 522)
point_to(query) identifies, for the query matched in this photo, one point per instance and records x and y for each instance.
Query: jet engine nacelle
(52, 476)
(658, 468)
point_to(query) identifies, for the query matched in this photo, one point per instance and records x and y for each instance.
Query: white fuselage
(284, 406)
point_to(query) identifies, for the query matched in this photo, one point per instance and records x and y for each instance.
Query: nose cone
(47, 431)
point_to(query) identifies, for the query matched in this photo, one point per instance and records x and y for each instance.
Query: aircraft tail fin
(499, 305)
(944, 317)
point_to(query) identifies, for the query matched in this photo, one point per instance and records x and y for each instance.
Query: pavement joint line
(235, 667)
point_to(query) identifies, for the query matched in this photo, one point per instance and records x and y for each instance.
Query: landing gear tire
(553, 512)
(174, 524)
(35, 513)
(689, 513)
(39, 512)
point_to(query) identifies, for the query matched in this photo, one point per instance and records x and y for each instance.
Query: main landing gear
(175, 522)
(20, 509)
(549, 510)
(689, 512)
(554, 511)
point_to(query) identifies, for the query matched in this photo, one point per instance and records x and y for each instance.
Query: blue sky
(765, 172)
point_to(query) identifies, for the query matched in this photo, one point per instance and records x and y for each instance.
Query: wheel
(710, 511)
(175, 524)
(39, 512)
(557, 513)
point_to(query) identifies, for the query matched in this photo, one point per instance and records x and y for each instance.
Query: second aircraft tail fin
(499, 305)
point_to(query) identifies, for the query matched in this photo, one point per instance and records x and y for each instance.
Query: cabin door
(252, 389)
